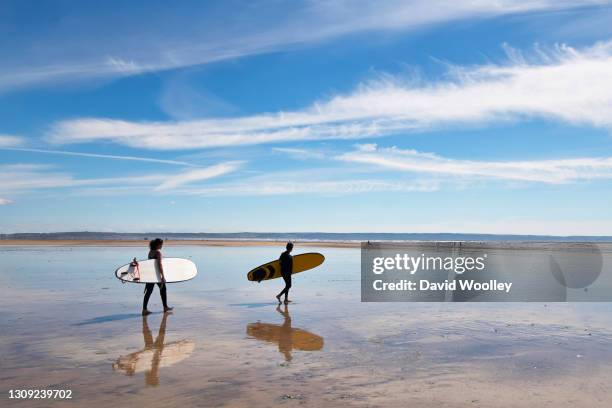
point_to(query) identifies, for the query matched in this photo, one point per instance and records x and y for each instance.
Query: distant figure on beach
(286, 262)
(155, 247)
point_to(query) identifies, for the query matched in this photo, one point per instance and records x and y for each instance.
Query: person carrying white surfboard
(155, 247)
(286, 264)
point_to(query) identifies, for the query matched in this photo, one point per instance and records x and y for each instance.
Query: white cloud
(5, 201)
(544, 171)
(10, 140)
(34, 177)
(71, 48)
(299, 154)
(31, 178)
(333, 187)
(565, 84)
(198, 175)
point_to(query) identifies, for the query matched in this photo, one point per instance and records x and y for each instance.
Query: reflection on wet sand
(558, 355)
(155, 354)
(285, 336)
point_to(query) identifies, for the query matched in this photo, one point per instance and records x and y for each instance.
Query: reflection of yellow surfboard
(286, 337)
(272, 270)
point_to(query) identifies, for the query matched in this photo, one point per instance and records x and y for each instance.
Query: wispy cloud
(32, 178)
(10, 140)
(169, 39)
(5, 201)
(564, 84)
(544, 171)
(332, 187)
(299, 153)
(198, 175)
(20, 178)
(100, 156)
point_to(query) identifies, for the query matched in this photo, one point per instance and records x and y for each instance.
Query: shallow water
(70, 324)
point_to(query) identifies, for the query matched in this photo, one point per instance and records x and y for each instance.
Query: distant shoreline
(265, 238)
(186, 242)
(237, 243)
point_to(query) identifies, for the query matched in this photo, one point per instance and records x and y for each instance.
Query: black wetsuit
(150, 286)
(286, 262)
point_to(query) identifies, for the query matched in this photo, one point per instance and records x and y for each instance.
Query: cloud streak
(542, 171)
(331, 187)
(74, 48)
(564, 84)
(28, 178)
(19, 179)
(99, 156)
(198, 175)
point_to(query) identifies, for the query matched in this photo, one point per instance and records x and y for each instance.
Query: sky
(315, 116)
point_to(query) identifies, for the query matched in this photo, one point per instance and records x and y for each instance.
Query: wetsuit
(150, 286)
(286, 262)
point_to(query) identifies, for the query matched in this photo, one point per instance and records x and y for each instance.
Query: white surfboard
(175, 270)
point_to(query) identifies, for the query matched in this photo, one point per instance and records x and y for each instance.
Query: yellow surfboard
(272, 270)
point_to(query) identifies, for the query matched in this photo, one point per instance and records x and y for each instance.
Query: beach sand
(67, 323)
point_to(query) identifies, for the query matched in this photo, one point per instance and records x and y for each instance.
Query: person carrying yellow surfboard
(286, 263)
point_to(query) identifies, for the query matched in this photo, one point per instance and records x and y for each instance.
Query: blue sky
(343, 116)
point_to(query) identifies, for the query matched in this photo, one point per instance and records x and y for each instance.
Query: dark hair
(289, 245)
(156, 244)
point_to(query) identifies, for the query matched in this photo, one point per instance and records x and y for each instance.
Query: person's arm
(158, 259)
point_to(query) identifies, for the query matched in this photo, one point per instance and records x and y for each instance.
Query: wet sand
(69, 324)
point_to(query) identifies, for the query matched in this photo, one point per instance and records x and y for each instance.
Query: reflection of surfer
(152, 375)
(285, 340)
(132, 363)
(286, 265)
(155, 354)
(155, 247)
(285, 335)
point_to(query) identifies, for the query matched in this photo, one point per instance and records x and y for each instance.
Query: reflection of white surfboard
(175, 270)
(156, 354)
(168, 354)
